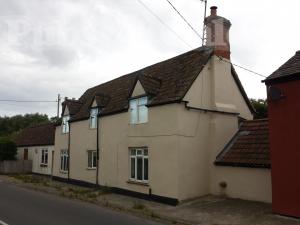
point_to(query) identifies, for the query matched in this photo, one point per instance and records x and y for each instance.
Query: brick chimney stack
(217, 33)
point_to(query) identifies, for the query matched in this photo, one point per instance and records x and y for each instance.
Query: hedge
(8, 149)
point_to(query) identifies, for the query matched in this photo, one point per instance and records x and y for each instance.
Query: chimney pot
(213, 10)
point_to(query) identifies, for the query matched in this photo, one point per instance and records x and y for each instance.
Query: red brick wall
(284, 124)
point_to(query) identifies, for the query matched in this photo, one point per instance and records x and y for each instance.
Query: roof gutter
(209, 110)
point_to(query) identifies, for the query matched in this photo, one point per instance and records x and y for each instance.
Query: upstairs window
(65, 124)
(138, 110)
(93, 118)
(44, 160)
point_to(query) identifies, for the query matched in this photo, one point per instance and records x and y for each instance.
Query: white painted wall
(35, 154)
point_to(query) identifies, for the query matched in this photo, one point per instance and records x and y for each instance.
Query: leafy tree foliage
(8, 149)
(261, 108)
(9, 126)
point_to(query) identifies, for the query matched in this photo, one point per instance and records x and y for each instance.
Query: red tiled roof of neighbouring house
(249, 147)
(289, 70)
(39, 135)
(165, 82)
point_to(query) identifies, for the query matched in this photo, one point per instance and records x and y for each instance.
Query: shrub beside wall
(8, 149)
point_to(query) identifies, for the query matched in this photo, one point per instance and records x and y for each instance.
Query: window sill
(138, 183)
(43, 165)
(136, 124)
(64, 172)
(89, 168)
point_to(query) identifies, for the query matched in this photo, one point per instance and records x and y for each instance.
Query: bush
(8, 149)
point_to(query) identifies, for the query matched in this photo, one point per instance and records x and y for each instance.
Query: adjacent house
(160, 132)
(36, 143)
(283, 108)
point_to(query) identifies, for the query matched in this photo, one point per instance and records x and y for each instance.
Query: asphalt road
(19, 206)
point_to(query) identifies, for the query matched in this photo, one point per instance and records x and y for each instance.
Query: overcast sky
(63, 46)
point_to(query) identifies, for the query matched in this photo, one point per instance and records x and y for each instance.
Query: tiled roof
(40, 135)
(165, 82)
(249, 147)
(290, 68)
(73, 106)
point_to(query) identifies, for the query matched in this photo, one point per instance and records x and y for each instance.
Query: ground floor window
(44, 159)
(139, 164)
(92, 159)
(64, 160)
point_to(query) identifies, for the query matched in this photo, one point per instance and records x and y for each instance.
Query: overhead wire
(241, 67)
(26, 101)
(185, 20)
(164, 24)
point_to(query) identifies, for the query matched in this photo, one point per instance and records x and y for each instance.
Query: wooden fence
(16, 167)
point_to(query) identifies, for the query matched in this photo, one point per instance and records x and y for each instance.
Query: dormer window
(93, 118)
(65, 124)
(138, 110)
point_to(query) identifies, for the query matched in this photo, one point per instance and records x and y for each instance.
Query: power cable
(163, 23)
(185, 20)
(242, 67)
(25, 101)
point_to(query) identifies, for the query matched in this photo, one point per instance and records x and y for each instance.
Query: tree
(11, 125)
(261, 108)
(8, 149)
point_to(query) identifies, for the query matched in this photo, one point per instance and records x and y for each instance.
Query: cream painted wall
(183, 145)
(160, 135)
(138, 89)
(82, 139)
(35, 154)
(61, 143)
(244, 183)
(216, 89)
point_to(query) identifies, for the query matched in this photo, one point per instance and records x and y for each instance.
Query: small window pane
(139, 168)
(143, 114)
(132, 161)
(95, 159)
(93, 118)
(133, 112)
(89, 159)
(61, 163)
(139, 152)
(145, 168)
(46, 157)
(143, 101)
(133, 152)
(145, 152)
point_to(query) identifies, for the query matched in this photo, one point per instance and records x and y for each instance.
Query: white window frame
(64, 161)
(44, 159)
(93, 118)
(65, 124)
(137, 105)
(93, 154)
(136, 153)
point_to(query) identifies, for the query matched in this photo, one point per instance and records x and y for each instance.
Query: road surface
(19, 206)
